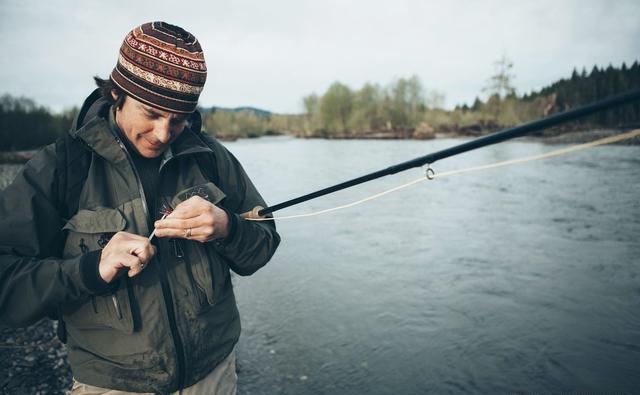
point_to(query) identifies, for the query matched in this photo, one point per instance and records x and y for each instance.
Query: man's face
(149, 130)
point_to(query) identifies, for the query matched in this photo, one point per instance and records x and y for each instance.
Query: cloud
(271, 54)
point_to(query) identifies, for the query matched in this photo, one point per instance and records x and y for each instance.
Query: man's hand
(125, 250)
(194, 219)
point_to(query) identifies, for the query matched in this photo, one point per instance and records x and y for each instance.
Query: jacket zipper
(93, 304)
(116, 304)
(177, 249)
(164, 281)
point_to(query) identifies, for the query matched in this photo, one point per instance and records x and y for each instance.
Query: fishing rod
(494, 138)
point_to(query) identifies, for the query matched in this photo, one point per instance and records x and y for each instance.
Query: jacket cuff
(233, 226)
(90, 274)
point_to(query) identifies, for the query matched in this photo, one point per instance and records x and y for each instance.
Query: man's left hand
(194, 219)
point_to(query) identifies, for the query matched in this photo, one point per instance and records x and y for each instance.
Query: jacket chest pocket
(91, 230)
(201, 264)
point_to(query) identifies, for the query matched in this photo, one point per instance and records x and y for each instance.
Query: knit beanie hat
(161, 65)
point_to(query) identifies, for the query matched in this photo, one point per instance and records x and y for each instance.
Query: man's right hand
(125, 250)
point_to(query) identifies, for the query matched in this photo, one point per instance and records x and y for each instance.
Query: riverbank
(33, 360)
(552, 136)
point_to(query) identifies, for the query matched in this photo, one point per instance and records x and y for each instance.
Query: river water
(522, 279)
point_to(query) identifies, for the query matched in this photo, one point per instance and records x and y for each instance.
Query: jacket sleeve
(250, 244)
(34, 280)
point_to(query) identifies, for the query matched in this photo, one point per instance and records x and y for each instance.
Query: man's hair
(106, 86)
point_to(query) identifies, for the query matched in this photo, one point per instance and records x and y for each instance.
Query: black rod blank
(494, 138)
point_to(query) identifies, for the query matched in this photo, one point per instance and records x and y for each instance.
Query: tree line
(582, 88)
(403, 108)
(25, 125)
(406, 109)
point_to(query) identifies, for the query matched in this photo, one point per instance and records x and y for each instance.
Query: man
(137, 315)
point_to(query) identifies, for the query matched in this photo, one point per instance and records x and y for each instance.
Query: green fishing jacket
(163, 329)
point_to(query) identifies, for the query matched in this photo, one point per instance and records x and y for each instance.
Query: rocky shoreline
(33, 360)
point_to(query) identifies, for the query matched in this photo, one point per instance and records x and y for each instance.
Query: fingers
(178, 223)
(125, 250)
(192, 207)
(194, 219)
(140, 258)
(144, 252)
(132, 263)
(201, 233)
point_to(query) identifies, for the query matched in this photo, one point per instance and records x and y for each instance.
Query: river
(522, 279)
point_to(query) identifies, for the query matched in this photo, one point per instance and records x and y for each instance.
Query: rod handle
(253, 214)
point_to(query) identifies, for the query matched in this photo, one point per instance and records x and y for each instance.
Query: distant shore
(571, 137)
(562, 137)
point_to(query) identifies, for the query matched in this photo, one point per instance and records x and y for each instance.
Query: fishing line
(431, 175)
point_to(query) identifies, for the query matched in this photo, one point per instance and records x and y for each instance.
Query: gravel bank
(33, 361)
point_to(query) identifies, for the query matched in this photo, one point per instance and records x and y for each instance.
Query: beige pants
(221, 381)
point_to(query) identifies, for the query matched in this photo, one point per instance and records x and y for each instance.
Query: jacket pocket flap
(208, 191)
(99, 220)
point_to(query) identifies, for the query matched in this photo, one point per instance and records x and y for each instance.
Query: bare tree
(500, 86)
(501, 83)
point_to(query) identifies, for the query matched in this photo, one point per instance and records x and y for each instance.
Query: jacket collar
(92, 127)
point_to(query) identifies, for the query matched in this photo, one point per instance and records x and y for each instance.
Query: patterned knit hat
(163, 66)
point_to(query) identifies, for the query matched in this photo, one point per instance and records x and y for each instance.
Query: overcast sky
(270, 54)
